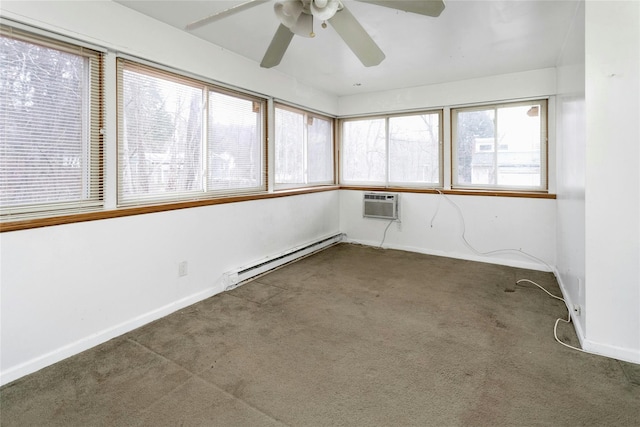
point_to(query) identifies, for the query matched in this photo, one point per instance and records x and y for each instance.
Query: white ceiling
(469, 39)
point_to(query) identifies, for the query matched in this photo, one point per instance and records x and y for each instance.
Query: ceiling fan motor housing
(324, 9)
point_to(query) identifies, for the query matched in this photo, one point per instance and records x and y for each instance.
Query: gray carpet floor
(351, 336)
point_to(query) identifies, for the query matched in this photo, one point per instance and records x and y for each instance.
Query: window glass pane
(364, 151)
(289, 147)
(303, 148)
(501, 146)
(475, 140)
(44, 131)
(414, 149)
(518, 158)
(320, 150)
(161, 144)
(235, 143)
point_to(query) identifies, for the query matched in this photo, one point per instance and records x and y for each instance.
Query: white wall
(487, 89)
(612, 199)
(69, 287)
(431, 224)
(570, 158)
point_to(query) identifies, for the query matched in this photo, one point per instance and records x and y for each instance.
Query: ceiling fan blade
(224, 13)
(422, 7)
(356, 37)
(277, 47)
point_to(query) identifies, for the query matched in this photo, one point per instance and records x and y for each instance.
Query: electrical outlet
(577, 309)
(183, 268)
(399, 225)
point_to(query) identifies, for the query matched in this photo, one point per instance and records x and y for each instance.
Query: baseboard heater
(233, 279)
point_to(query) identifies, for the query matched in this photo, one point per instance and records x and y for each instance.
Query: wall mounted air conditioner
(381, 205)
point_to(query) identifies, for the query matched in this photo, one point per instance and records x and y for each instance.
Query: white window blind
(235, 138)
(289, 147)
(320, 150)
(160, 136)
(51, 115)
(303, 148)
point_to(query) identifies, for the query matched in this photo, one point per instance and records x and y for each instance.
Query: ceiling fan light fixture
(324, 9)
(288, 12)
(303, 26)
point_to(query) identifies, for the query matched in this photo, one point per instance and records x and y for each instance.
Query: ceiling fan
(297, 17)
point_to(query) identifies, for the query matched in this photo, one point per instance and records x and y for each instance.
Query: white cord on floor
(555, 327)
(534, 283)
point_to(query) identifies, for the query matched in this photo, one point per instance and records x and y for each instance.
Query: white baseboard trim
(614, 352)
(86, 343)
(593, 347)
(575, 321)
(457, 255)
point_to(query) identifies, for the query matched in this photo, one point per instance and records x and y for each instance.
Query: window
(50, 120)
(303, 148)
(182, 139)
(518, 130)
(399, 150)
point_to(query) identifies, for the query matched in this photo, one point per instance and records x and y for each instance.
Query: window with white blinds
(303, 148)
(51, 113)
(183, 139)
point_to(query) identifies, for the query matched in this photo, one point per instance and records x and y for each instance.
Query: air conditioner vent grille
(381, 206)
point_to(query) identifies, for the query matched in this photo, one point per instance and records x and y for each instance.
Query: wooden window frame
(394, 185)
(544, 151)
